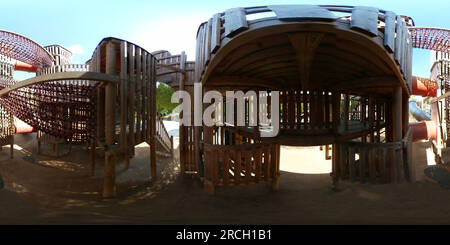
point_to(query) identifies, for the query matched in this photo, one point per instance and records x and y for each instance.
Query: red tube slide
(424, 87)
(20, 66)
(424, 130)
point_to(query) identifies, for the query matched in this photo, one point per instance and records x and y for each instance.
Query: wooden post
(335, 165)
(182, 133)
(38, 135)
(110, 99)
(397, 129)
(371, 119)
(92, 157)
(346, 110)
(123, 103)
(276, 167)
(336, 110)
(171, 145)
(11, 147)
(152, 106)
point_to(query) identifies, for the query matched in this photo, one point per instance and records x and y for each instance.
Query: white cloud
(76, 49)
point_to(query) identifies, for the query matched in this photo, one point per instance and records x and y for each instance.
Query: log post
(182, 133)
(397, 130)
(346, 111)
(371, 119)
(152, 106)
(92, 157)
(276, 167)
(110, 100)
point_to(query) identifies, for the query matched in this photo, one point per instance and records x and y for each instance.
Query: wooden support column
(346, 110)
(371, 119)
(123, 103)
(335, 149)
(397, 131)
(109, 187)
(276, 167)
(152, 107)
(336, 110)
(92, 156)
(182, 134)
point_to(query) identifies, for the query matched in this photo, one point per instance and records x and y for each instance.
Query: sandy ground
(42, 190)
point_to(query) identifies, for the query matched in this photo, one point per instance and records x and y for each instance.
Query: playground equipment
(343, 74)
(79, 104)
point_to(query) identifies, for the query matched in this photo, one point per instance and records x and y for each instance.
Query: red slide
(424, 130)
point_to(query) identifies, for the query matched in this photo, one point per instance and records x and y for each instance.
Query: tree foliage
(163, 97)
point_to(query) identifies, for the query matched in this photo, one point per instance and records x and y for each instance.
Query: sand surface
(46, 190)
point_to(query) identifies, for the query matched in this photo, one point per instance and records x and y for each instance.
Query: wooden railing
(302, 110)
(187, 151)
(62, 68)
(374, 162)
(392, 28)
(162, 135)
(243, 164)
(361, 161)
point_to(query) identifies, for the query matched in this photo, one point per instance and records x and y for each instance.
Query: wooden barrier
(233, 165)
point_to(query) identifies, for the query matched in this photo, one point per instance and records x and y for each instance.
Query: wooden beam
(305, 45)
(109, 187)
(378, 81)
(236, 80)
(62, 76)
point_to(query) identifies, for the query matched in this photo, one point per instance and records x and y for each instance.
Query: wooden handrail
(61, 76)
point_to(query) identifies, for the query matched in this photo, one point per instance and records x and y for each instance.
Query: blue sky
(171, 25)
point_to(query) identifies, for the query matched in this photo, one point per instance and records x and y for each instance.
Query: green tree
(163, 97)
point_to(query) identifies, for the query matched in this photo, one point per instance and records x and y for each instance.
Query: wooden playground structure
(343, 74)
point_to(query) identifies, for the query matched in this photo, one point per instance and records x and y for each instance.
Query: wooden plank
(216, 25)
(298, 102)
(131, 97)
(62, 76)
(365, 18)
(404, 48)
(346, 111)
(306, 118)
(293, 12)
(214, 167)
(144, 95)
(398, 39)
(382, 164)
(123, 102)
(152, 105)
(351, 163)
(362, 162)
(138, 93)
(109, 184)
(235, 21)
(208, 42)
(409, 65)
(336, 110)
(343, 160)
(237, 167)
(291, 108)
(258, 164)
(372, 168)
(392, 166)
(248, 167)
(389, 31)
(226, 168)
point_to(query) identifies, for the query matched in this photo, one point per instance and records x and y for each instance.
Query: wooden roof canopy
(358, 50)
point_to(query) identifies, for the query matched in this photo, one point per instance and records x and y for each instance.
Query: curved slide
(425, 128)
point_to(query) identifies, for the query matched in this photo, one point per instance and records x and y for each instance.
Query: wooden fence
(373, 162)
(232, 165)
